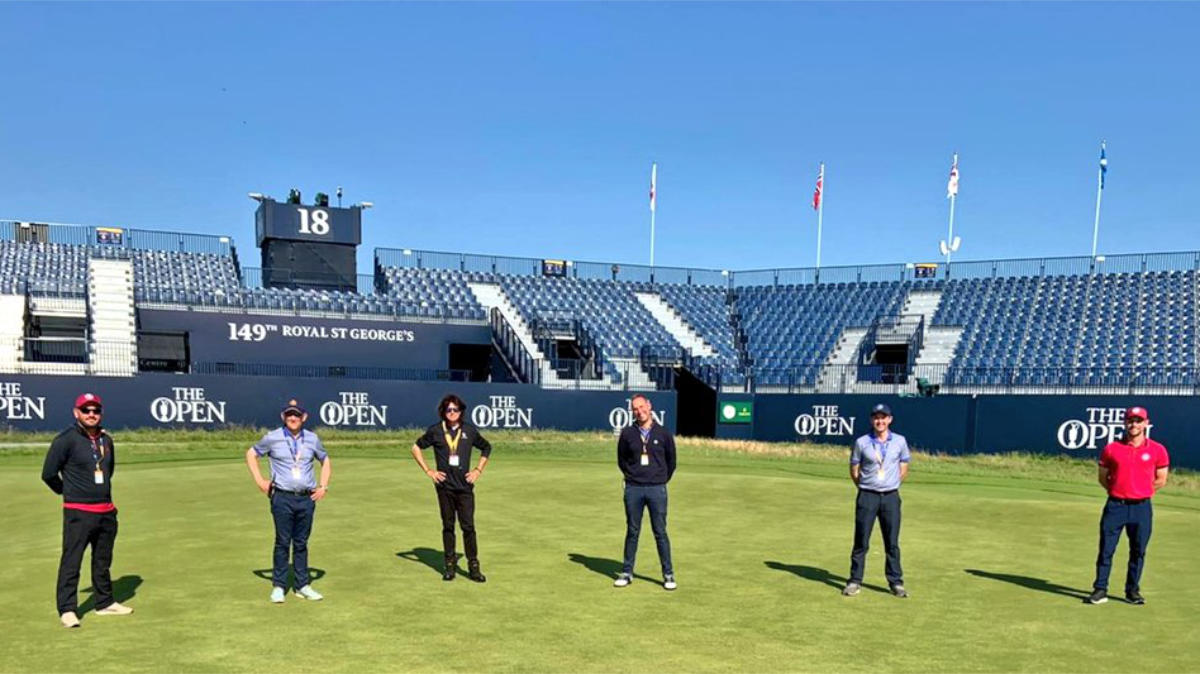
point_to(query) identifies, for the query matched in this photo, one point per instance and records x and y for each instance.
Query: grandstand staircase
(940, 342)
(678, 328)
(838, 374)
(12, 329)
(491, 295)
(112, 345)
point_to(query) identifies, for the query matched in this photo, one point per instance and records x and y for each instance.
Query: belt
(1128, 501)
(302, 492)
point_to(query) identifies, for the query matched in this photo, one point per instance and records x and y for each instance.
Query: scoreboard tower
(308, 246)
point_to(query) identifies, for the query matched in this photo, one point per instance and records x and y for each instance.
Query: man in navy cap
(878, 464)
(294, 492)
(80, 466)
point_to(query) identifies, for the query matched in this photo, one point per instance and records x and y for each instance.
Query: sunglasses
(452, 409)
(1134, 420)
(292, 413)
(89, 410)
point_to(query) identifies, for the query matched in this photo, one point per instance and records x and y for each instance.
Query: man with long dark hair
(452, 439)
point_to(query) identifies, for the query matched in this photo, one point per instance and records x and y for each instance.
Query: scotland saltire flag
(1103, 165)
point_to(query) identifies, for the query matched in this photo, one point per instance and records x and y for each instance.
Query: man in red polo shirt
(80, 465)
(1131, 469)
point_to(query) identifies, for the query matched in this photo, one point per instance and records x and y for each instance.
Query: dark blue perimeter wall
(212, 401)
(295, 340)
(1076, 426)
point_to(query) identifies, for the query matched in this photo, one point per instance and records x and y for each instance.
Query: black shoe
(1135, 597)
(451, 568)
(1097, 597)
(899, 591)
(474, 573)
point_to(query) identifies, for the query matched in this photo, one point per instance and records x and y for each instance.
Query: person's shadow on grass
(609, 568)
(820, 576)
(314, 574)
(1031, 583)
(124, 588)
(434, 559)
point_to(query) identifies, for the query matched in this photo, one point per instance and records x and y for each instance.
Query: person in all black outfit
(646, 457)
(80, 466)
(452, 440)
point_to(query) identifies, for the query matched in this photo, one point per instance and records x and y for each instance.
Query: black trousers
(886, 507)
(460, 504)
(81, 529)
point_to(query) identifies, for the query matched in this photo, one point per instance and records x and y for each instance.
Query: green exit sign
(740, 412)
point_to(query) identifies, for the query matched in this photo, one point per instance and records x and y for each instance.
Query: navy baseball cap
(881, 409)
(293, 406)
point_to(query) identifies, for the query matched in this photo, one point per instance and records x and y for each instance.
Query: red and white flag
(952, 185)
(653, 186)
(820, 188)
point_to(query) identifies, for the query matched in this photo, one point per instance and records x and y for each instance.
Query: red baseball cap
(86, 399)
(1139, 412)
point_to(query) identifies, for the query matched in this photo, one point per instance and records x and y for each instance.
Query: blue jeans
(293, 515)
(638, 497)
(1135, 520)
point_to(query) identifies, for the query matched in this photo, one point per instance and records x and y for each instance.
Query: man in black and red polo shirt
(80, 466)
(1131, 469)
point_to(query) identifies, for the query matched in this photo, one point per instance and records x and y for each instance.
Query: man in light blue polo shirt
(294, 492)
(878, 464)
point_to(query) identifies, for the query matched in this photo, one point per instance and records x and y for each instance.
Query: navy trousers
(1135, 519)
(293, 515)
(869, 506)
(637, 498)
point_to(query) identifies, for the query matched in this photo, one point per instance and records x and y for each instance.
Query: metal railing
(901, 379)
(114, 237)
(257, 277)
(330, 371)
(526, 367)
(798, 276)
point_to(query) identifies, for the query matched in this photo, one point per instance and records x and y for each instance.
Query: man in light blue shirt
(294, 491)
(878, 464)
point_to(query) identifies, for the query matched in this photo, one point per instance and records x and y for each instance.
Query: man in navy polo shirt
(1131, 470)
(294, 492)
(878, 464)
(646, 457)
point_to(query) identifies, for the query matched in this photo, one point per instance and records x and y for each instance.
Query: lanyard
(452, 441)
(97, 449)
(880, 450)
(294, 444)
(645, 433)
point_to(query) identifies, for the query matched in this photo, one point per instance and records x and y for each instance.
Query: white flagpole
(820, 212)
(953, 197)
(653, 198)
(1099, 193)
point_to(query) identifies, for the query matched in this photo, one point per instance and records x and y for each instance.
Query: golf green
(996, 561)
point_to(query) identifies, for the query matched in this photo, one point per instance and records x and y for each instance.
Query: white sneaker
(69, 619)
(309, 593)
(669, 582)
(277, 595)
(114, 609)
(623, 579)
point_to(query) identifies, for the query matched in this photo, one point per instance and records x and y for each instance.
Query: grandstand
(75, 301)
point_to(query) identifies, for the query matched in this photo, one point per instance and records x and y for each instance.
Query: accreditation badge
(296, 472)
(454, 460)
(98, 476)
(645, 459)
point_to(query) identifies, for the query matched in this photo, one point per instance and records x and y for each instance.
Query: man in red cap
(1131, 470)
(80, 465)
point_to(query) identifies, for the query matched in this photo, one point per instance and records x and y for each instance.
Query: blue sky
(529, 129)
